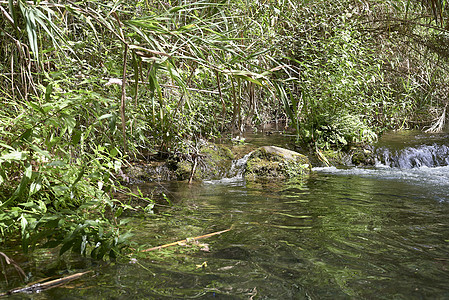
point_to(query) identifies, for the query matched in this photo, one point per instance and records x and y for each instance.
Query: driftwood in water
(186, 241)
(10, 261)
(38, 287)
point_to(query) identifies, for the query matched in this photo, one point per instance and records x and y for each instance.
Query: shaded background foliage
(87, 86)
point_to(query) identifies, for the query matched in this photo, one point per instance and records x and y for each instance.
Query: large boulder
(271, 162)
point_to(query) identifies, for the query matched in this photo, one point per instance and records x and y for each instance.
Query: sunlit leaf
(14, 156)
(35, 186)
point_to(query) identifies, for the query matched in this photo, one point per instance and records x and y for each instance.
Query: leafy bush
(59, 182)
(338, 131)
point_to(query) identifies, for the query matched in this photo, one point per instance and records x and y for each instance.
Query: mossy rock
(183, 170)
(333, 157)
(151, 171)
(271, 162)
(213, 162)
(363, 157)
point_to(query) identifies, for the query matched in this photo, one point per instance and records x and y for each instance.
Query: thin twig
(38, 287)
(195, 163)
(10, 261)
(186, 240)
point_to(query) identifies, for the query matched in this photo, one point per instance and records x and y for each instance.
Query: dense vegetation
(87, 86)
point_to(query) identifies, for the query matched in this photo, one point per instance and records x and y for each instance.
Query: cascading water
(238, 166)
(413, 157)
(235, 173)
(418, 158)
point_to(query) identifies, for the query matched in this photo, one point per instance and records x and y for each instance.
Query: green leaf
(57, 163)
(7, 146)
(23, 224)
(30, 28)
(70, 124)
(118, 212)
(26, 135)
(83, 245)
(48, 91)
(80, 175)
(124, 237)
(60, 190)
(36, 107)
(35, 186)
(12, 11)
(28, 171)
(114, 152)
(76, 137)
(22, 186)
(44, 153)
(66, 247)
(105, 116)
(13, 156)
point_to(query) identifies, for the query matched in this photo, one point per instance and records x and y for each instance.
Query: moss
(214, 161)
(263, 167)
(276, 163)
(363, 157)
(217, 152)
(335, 157)
(183, 170)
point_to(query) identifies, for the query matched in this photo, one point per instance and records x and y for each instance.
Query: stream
(344, 233)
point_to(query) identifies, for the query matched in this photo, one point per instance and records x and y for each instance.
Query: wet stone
(271, 162)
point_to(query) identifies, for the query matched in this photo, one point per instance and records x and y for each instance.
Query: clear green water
(377, 233)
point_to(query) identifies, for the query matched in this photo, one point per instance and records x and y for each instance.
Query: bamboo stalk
(186, 240)
(38, 287)
(123, 92)
(223, 104)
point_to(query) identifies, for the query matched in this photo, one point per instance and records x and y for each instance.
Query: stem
(122, 103)
(223, 104)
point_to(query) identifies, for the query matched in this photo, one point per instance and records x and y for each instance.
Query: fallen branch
(38, 287)
(10, 261)
(188, 240)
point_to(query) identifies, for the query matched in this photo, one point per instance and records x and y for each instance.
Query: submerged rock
(271, 162)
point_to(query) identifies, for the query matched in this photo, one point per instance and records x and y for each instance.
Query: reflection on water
(342, 234)
(330, 237)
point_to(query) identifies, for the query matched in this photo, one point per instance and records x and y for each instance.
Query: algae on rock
(271, 162)
(213, 162)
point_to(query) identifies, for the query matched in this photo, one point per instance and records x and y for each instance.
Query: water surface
(348, 233)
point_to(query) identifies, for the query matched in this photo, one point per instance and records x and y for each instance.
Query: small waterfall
(235, 174)
(238, 166)
(417, 159)
(413, 157)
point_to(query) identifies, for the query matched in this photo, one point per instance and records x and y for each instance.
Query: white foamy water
(414, 157)
(235, 173)
(428, 176)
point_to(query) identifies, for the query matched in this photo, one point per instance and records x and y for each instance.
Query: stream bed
(344, 233)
